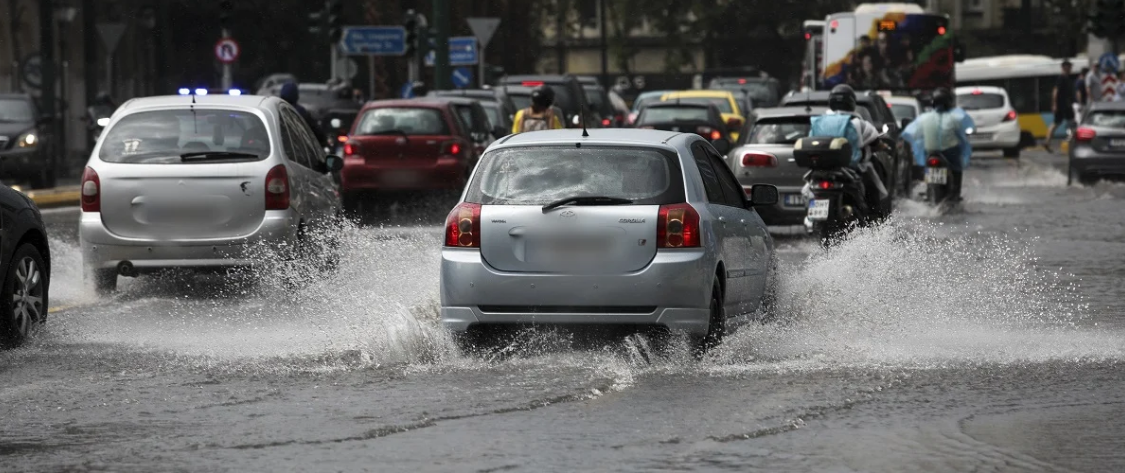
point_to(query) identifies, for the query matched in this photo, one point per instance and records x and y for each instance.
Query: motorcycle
(938, 179)
(837, 196)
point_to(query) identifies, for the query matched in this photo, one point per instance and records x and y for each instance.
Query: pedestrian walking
(1062, 103)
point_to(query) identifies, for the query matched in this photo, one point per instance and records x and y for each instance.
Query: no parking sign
(227, 50)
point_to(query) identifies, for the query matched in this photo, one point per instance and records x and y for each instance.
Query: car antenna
(585, 134)
(194, 124)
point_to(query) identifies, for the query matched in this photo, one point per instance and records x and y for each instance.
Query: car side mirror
(762, 194)
(334, 163)
(722, 145)
(906, 122)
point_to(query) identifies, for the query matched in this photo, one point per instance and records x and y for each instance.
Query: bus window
(1023, 94)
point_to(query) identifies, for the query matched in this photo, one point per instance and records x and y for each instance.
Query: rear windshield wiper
(208, 155)
(586, 200)
(389, 132)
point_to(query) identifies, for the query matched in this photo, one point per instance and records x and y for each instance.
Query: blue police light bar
(235, 92)
(185, 91)
(200, 91)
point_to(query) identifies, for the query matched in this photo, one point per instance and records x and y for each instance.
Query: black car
(570, 96)
(26, 143)
(25, 266)
(497, 105)
(1097, 147)
(703, 119)
(473, 118)
(897, 175)
(598, 102)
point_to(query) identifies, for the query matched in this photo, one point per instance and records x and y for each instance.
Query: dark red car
(407, 145)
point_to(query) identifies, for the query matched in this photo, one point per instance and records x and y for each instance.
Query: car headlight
(969, 130)
(28, 140)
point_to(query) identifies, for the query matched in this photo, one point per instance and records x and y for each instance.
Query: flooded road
(991, 338)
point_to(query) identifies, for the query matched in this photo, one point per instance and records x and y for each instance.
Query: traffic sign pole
(226, 66)
(483, 29)
(442, 76)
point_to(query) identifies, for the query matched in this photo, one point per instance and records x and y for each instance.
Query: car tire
(24, 296)
(104, 281)
(1013, 153)
(716, 325)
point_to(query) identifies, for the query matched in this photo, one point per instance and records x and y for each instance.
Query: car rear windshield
(721, 102)
(643, 100)
(15, 110)
(492, 110)
(1106, 118)
(538, 175)
(672, 114)
(775, 131)
(520, 101)
(598, 100)
(903, 111)
(408, 120)
(160, 137)
(980, 101)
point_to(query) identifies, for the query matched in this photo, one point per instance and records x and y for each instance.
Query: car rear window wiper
(208, 155)
(586, 200)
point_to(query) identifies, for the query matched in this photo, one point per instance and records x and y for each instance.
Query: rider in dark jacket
(291, 94)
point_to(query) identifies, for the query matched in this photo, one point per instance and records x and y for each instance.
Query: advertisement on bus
(888, 51)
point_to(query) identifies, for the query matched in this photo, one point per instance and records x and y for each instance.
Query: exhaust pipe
(125, 268)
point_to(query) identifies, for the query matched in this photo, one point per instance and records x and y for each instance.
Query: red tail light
(825, 185)
(606, 122)
(1082, 134)
(716, 134)
(755, 159)
(677, 227)
(453, 148)
(741, 81)
(933, 162)
(349, 149)
(531, 83)
(277, 188)
(91, 191)
(1010, 116)
(462, 226)
(941, 30)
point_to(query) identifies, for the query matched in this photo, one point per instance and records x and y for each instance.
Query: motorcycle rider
(842, 104)
(942, 131)
(540, 115)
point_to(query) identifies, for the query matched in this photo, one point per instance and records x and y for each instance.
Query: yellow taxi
(723, 99)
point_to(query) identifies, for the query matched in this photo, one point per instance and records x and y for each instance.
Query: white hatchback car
(996, 121)
(192, 182)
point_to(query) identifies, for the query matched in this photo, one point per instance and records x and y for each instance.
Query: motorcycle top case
(822, 152)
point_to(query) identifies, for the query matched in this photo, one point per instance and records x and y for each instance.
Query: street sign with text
(462, 51)
(374, 40)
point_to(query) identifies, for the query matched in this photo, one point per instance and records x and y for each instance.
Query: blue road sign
(1109, 61)
(374, 40)
(462, 77)
(462, 51)
(407, 91)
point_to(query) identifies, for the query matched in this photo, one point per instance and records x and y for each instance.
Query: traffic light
(335, 20)
(410, 23)
(225, 8)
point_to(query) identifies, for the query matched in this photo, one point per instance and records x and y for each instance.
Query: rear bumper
(23, 162)
(444, 173)
(1087, 163)
(1002, 136)
(102, 249)
(673, 291)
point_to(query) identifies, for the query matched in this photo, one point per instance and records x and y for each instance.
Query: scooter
(835, 191)
(938, 179)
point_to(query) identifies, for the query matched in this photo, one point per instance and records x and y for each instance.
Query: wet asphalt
(988, 338)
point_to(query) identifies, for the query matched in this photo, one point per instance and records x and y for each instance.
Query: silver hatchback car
(629, 227)
(186, 181)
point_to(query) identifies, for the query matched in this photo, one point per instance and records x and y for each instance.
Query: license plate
(937, 175)
(568, 251)
(818, 209)
(1117, 143)
(980, 137)
(794, 200)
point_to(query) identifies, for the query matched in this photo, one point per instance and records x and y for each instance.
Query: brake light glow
(1010, 116)
(342, 138)
(716, 134)
(455, 149)
(349, 149)
(606, 122)
(1085, 134)
(91, 191)
(462, 226)
(824, 185)
(834, 24)
(933, 162)
(531, 83)
(743, 81)
(757, 159)
(808, 36)
(677, 226)
(941, 30)
(277, 188)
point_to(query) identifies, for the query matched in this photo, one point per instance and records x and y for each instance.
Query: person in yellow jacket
(540, 115)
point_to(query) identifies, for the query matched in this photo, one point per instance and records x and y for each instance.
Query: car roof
(776, 112)
(1107, 106)
(822, 96)
(702, 93)
(902, 100)
(676, 103)
(425, 102)
(546, 78)
(598, 136)
(991, 89)
(450, 99)
(185, 101)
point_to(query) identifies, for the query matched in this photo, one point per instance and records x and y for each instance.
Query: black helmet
(542, 97)
(943, 99)
(842, 98)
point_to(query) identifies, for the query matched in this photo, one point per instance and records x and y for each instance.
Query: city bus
(814, 41)
(888, 46)
(1029, 80)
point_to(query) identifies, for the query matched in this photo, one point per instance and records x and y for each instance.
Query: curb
(57, 197)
